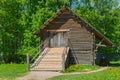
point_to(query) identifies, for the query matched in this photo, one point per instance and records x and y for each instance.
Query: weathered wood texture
(51, 61)
(67, 28)
(80, 37)
(81, 44)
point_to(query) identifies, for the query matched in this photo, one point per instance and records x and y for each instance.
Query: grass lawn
(11, 71)
(80, 68)
(112, 73)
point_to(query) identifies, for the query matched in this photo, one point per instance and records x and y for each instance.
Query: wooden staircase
(50, 59)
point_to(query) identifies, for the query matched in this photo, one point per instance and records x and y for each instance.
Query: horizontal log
(82, 48)
(80, 36)
(65, 20)
(73, 61)
(62, 26)
(81, 44)
(82, 58)
(101, 45)
(60, 30)
(67, 17)
(77, 40)
(80, 32)
(78, 29)
(83, 52)
(66, 13)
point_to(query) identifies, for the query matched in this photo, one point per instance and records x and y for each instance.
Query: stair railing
(35, 53)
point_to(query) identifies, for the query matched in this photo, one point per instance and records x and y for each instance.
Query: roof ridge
(62, 10)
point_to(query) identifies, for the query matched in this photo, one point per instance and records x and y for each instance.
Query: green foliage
(11, 32)
(103, 15)
(12, 71)
(80, 68)
(19, 19)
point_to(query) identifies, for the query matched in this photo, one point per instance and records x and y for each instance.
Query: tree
(11, 30)
(20, 18)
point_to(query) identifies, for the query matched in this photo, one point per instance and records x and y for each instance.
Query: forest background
(19, 19)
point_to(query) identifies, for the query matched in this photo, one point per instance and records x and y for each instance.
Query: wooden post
(63, 61)
(93, 50)
(28, 62)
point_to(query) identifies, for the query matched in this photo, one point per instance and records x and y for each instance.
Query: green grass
(112, 73)
(109, 74)
(80, 68)
(115, 63)
(11, 71)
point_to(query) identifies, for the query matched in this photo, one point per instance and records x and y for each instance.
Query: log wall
(80, 38)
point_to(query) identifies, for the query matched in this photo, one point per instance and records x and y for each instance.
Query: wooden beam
(28, 62)
(93, 50)
(101, 45)
(60, 30)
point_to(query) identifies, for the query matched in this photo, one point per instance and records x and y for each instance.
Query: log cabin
(66, 39)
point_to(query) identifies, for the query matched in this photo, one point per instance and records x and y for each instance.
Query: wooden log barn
(66, 39)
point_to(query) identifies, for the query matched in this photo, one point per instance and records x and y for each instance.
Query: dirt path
(43, 75)
(39, 75)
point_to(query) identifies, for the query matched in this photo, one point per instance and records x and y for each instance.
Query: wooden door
(57, 39)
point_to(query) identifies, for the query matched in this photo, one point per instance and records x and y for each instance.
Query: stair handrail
(39, 49)
(41, 56)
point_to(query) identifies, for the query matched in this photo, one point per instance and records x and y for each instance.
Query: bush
(16, 58)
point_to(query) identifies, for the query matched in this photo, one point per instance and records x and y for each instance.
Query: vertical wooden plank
(28, 62)
(62, 39)
(93, 48)
(66, 38)
(51, 39)
(59, 39)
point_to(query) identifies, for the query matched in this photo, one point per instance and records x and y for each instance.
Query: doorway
(57, 39)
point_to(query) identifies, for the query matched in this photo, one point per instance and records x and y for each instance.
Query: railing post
(28, 62)
(63, 61)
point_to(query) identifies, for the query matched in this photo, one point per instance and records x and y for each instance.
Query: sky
(119, 2)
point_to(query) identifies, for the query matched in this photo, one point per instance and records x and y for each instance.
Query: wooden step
(42, 65)
(52, 56)
(51, 61)
(55, 53)
(49, 67)
(39, 69)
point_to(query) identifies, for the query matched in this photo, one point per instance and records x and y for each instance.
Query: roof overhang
(94, 30)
